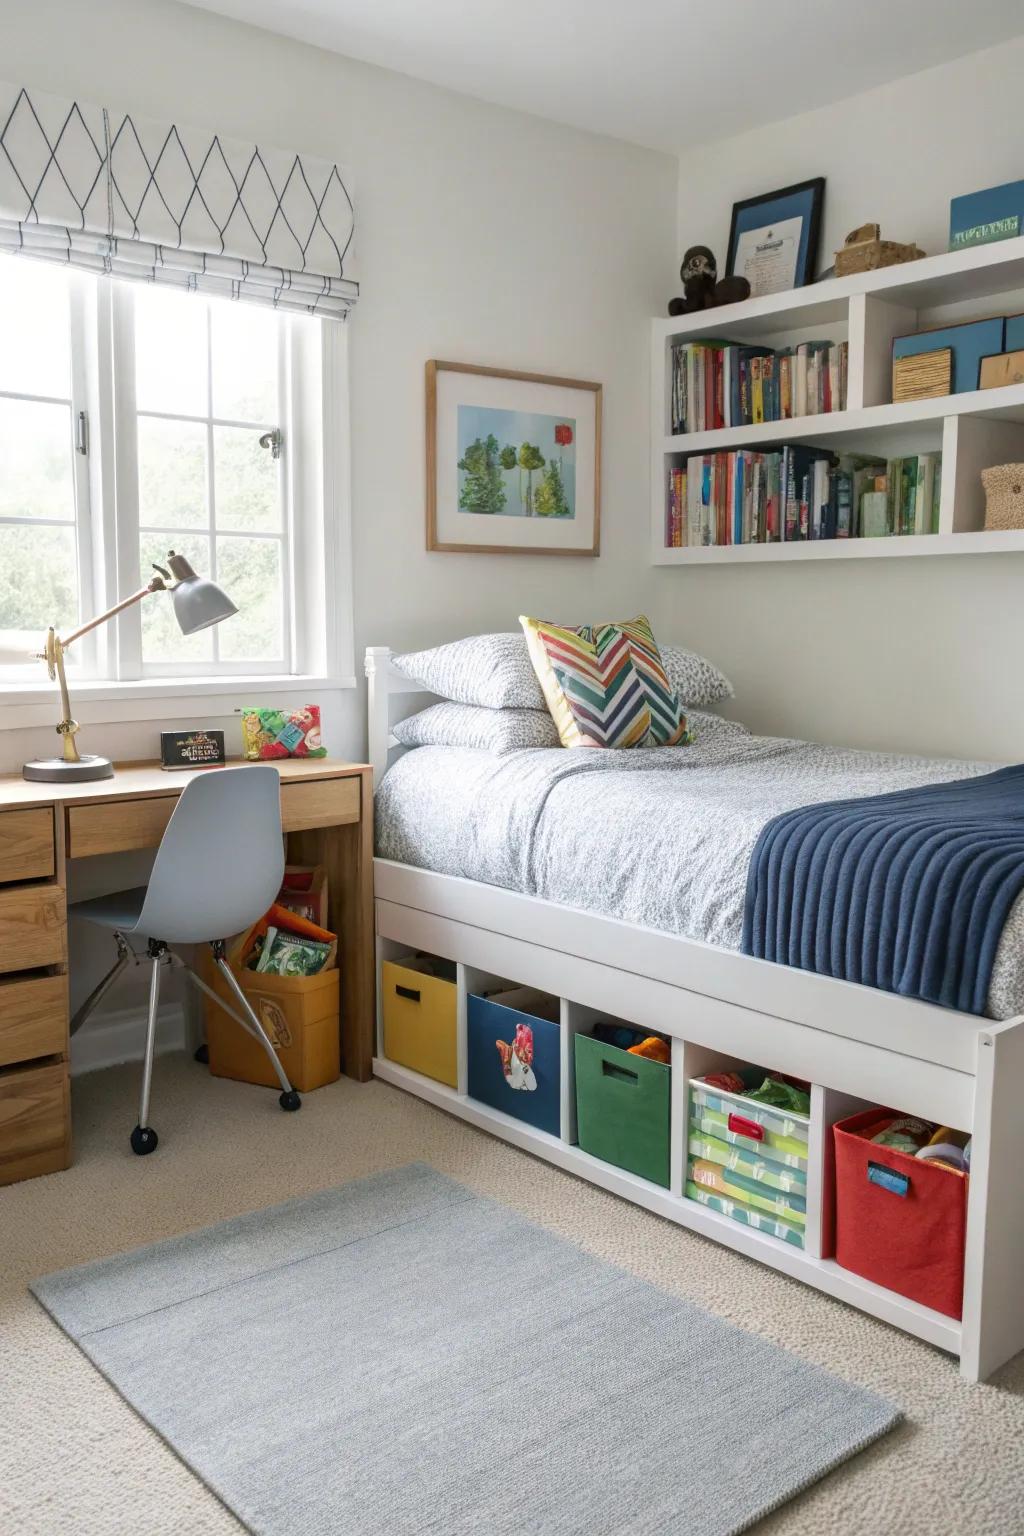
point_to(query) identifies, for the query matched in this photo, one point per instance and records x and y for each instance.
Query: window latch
(82, 434)
(273, 441)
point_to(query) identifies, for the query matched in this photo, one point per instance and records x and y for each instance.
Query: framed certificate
(773, 239)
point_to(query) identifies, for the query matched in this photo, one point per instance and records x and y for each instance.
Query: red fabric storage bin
(900, 1221)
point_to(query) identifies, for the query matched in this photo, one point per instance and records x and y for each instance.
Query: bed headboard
(384, 686)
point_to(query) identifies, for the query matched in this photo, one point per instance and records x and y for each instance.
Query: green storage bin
(622, 1108)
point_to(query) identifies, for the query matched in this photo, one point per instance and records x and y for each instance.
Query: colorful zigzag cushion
(605, 684)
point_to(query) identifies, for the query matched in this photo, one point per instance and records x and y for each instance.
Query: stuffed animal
(701, 287)
(517, 1060)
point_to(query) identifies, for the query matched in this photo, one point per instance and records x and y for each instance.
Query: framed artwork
(513, 462)
(773, 239)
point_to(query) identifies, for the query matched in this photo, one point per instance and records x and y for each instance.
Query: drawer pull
(745, 1127)
(411, 993)
(610, 1069)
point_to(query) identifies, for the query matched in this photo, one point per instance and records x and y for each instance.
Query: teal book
(981, 217)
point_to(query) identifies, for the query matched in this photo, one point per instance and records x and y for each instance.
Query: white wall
(484, 236)
(917, 654)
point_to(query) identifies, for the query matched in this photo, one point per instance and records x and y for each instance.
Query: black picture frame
(769, 206)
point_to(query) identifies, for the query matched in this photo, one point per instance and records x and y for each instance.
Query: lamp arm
(156, 585)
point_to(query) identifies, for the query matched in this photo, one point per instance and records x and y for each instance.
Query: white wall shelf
(972, 429)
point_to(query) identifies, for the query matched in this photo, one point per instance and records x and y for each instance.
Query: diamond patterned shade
(117, 193)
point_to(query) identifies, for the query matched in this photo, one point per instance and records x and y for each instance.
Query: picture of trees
(516, 463)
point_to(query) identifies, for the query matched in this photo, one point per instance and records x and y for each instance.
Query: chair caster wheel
(202, 1055)
(290, 1100)
(144, 1141)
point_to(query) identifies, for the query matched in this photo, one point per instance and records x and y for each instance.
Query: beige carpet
(75, 1461)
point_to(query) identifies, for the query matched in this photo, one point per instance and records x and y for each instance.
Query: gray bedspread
(658, 837)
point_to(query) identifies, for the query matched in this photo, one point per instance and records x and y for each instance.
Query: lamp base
(54, 770)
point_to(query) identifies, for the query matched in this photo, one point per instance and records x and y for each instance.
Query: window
(134, 420)
(44, 493)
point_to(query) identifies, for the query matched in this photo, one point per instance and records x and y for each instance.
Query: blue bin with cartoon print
(514, 1055)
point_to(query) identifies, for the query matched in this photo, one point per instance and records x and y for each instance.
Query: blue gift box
(514, 1056)
(970, 342)
(981, 217)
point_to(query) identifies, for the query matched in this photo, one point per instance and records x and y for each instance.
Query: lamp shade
(198, 603)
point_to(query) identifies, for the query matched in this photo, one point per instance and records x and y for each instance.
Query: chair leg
(125, 956)
(288, 1098)
(144, 1138)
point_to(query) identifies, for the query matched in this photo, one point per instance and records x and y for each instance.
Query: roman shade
(136, 197)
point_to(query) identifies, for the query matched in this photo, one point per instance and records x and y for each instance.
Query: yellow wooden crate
(418, 1002)
(300, 1016)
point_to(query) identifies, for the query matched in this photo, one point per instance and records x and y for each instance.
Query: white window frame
(316, 546)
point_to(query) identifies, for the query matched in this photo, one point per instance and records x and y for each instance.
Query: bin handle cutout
(887, 1178)
(412, 993)
(744, 1127)
(609, 1069)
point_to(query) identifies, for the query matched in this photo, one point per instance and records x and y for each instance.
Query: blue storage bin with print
(514, 1055)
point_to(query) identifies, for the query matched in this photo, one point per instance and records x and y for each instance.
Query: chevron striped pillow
(605, 684)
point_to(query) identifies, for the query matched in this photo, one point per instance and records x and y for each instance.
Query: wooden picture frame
(504, 515)
(804, 200)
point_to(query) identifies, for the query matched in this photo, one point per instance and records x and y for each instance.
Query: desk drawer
(32, 926)
(319, 803)
(33, 1018)
(26, 844)
(118, 825)
(34, 1131)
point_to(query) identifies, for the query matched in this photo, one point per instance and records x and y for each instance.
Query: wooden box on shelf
(922, 376)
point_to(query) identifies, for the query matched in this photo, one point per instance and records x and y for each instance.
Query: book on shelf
(797, 494)
(718, 383)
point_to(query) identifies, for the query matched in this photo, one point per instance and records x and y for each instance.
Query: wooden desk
(327, 814)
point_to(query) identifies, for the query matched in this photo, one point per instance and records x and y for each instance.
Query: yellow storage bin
(418, 1002)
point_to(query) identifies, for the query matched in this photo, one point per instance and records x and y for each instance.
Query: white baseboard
(120, 1035)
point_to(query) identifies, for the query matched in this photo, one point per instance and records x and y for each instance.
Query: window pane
(38, 578)
(244, 362)
(172, 474)
(245, 481)
(170, 352)
(35, 460)
(249, 570)
(35, 320)
(162, 640)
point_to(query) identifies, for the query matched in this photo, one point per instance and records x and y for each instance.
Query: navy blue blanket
(908, 892)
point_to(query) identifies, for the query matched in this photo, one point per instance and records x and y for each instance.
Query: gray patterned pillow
(471, 725)
(490, 670)
(696, 680)
(495, 671)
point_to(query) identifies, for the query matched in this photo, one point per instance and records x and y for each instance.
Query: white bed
(660, 838)
(527, 866)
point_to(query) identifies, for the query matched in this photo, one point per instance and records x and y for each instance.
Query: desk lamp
(198, 603)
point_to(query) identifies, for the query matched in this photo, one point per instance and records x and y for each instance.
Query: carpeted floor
(77, 1462)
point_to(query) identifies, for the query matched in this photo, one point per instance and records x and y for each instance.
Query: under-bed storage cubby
(623, 1100)
(419, 1014)
(513, 1050)
(747, 1152)
(901, 1213)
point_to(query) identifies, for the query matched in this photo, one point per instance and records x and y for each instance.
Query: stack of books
(722, 384)
(798, 493)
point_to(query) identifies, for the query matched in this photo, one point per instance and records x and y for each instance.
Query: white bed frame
(855, 1044)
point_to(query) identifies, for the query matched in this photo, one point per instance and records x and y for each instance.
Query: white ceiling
(666, 73)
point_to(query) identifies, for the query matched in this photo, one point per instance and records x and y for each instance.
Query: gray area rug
(402, 1356)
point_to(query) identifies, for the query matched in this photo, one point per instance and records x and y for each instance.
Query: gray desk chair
(218, 868)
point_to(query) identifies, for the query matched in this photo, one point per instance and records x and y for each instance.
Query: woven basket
(1004, 496)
